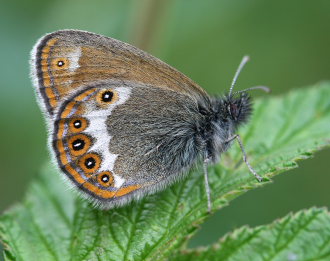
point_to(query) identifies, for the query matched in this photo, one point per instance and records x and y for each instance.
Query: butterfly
(123, 124)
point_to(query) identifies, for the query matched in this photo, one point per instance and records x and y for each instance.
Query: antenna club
(246, 58)
(263, 88)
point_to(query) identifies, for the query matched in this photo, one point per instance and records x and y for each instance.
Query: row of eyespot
(106, 96)
(90, 163)
(80, 143)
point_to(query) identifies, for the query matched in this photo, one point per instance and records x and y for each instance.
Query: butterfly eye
(233, 111)
(90, 162)
(107, 97)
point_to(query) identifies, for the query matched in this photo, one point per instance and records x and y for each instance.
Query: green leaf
(51, 224)
(303, 236)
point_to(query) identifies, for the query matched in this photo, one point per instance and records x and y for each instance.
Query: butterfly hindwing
(65, 61)
(115, 140)
(81, 141)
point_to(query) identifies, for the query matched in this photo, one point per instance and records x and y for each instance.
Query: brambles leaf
(303, 236)
(51, 224)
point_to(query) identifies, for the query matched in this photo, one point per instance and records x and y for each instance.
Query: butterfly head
(237, 108)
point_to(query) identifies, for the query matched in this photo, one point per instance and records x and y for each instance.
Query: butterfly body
(124, 124)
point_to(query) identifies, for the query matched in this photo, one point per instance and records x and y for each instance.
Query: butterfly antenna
(239, 69)
(264, 88)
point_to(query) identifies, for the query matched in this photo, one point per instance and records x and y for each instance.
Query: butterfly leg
(239, 163)
(238, 138)
(206, 182)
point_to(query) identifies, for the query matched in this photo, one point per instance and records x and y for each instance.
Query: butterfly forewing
(65, 61)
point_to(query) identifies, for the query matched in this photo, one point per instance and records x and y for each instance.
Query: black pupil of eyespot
(78, 144)
(107, 96)
(77, 124)
(60, 63)
(90, 163)
(105, 178)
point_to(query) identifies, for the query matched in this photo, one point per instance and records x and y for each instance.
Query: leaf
(303, 236)
(51, 224)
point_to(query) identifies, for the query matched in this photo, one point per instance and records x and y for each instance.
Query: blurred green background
(288, 41)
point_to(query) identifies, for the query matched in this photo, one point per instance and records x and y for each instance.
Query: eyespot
(78, 125)
(105, 178)
(90, 162)
(79, 144)
(60, 63)
(106, 97)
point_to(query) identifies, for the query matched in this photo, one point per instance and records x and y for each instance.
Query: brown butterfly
(124, 124)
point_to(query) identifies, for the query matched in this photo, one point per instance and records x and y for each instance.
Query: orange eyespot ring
(105, 178)
(77, 125)
(106, 97)
(60, 63)
(90, 162)
(79, 144)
